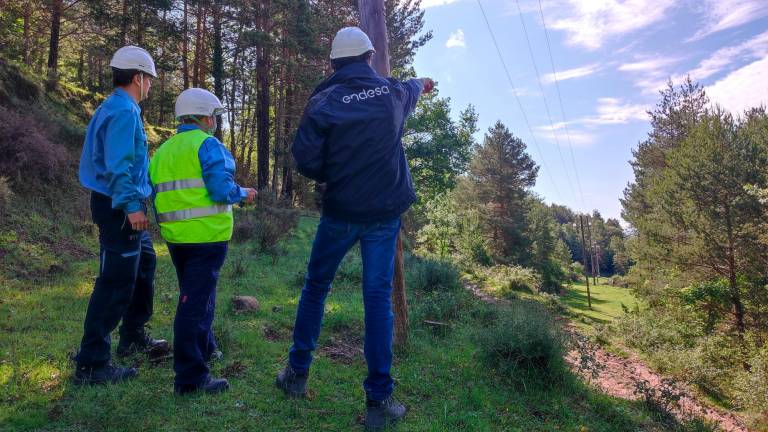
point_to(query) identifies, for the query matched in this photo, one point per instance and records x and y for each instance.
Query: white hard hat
(133, 57)
(350, 42)
(197, 101)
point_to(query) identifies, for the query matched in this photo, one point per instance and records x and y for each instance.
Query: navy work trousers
(197, 267)
(124, 288)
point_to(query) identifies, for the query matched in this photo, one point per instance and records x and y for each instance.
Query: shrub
(441, 306)
(523, 339)
(575, 271)
(505, 280)
(753, 384)
(5, 193)
(27, 152)
(431, 275)
(266, 223)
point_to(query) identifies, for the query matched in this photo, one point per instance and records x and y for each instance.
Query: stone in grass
(245, 304)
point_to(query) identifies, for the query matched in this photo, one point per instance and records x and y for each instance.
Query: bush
(266, 223)
(28, 153)
(441, 306)
(523, 339)
(431, 275)
(619, 281)
(5, 193)
(575, 271)
(505, 280)
(753, 384)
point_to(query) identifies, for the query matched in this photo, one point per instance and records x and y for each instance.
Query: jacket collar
(348, 72)
(186, 127)
(124, 94)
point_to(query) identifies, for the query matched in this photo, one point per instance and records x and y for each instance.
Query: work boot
(108, 373)
(211, 386)
(380, 414)
(293, 384)
(155, 348)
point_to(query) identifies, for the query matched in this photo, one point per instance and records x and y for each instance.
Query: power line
(544, 97)
(560, 100)
(519, 104)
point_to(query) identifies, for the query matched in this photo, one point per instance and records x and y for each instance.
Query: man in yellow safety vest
(192, 176)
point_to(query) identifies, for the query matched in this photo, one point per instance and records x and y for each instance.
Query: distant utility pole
(584, 260)
(373, 23)
(591, 252)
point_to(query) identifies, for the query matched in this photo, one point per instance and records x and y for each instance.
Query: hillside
(466, 375)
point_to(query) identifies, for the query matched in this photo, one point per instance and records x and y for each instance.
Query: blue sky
(610, 57)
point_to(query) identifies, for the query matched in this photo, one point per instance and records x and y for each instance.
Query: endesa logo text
(366, 94)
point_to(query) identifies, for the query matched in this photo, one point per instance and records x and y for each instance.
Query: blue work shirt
(350, 137)
(218, 169)
(114, 161)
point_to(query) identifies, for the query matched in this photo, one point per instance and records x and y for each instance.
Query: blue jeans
(197, 267)
(124, 288)
(333, 240)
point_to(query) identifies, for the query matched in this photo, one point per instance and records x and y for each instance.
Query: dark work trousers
(197, 267)
(124, 288)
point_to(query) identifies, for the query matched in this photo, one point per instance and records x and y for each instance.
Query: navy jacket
(350, 138)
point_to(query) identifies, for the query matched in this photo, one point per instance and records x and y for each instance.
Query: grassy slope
(607, 302)
(437, 376)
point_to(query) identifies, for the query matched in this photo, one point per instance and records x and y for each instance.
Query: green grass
(607, 302)
(438, 376)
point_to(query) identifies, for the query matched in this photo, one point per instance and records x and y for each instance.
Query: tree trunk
(218, 64)
(124, 24)
(185, 46)
(738, 306)
(262, 102)
(139, 23)
(27, 36)
(373, 22)
(53, 46)
(198, 46)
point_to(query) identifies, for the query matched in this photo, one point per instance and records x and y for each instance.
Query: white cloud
(725, 14)
(434, 3)
(743, 88)
(615, 111)
(651, 73)
(609, 111)
(456, 40)
(590, 23)
(571, 73)
(654, 65)
(755, 48)
(578, 138)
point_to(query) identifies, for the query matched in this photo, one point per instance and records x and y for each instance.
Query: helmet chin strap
(203, 126)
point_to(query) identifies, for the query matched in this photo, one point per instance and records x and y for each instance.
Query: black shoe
(380, 414)
(155, 348)
(86, 375)
(291, 383)
(211, 386)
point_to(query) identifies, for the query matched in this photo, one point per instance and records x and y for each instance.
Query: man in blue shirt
(350, 139)
(113, 166)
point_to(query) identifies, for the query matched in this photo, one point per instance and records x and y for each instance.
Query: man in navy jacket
(350, 139)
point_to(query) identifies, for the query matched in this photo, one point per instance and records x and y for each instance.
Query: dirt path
(617, 377)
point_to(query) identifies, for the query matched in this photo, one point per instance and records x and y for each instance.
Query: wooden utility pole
(584, 260)
(591, 252)
(373, 23)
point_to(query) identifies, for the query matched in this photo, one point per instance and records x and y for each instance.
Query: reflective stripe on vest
(179, 215)
(179, 184)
